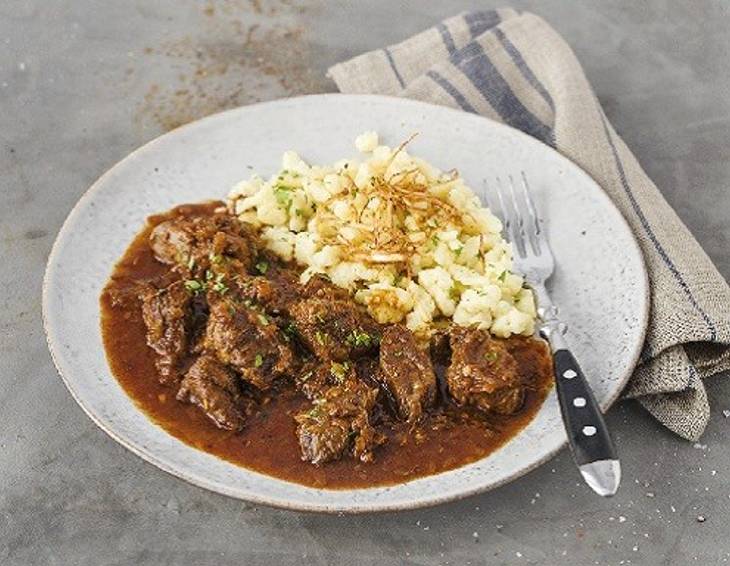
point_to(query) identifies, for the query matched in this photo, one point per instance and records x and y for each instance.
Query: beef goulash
(346, 325)
(218, 341)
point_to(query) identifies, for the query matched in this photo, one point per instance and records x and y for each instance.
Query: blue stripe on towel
(452, 91)
(479, 22)
(479, 69)
(524, 68)
(692, 372)
(389, 55)
(649, 232)
(446, 38)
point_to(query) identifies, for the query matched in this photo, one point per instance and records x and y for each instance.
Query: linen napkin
(514, 68)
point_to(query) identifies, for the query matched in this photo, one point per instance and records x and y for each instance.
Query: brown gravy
(449, 438)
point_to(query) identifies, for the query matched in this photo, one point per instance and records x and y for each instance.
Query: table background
(83, 82)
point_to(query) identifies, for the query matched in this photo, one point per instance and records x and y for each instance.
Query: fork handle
(589, 440)
(588, 434)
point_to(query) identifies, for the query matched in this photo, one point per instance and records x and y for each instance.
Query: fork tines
(519, 215)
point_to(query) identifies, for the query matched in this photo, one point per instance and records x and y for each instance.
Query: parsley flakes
(321, 337)
(283, 195)
(359, 339)
(491, 357)
(195, 286)
(339, 371)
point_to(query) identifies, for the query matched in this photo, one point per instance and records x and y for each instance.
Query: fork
(589, 440)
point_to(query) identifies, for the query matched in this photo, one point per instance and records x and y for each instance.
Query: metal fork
(590, 442)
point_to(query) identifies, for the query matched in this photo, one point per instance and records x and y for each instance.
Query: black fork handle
(587, 432)
(588, 437)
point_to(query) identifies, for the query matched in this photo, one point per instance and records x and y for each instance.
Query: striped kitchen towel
(513, 67)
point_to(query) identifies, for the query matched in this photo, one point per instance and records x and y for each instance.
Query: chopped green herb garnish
(220, 287)
(502, 276)
(359, 339)
(194, 286)
(321, 337)
(454, 293)
(339, 371)
(218, 276)
(291, 329)
(215, 258)
(283, 195)
(313, 413)
(262, 267)
(457, 251)
(258, 360)
(263, 319)
(491, 357)
(209, 275)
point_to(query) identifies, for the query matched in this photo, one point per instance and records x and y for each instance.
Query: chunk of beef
(278, 288)
(275, 293)
(166, 314)
(197, 242)
(335, 329)
(198, 322)
(367, 370)
(216, 390)
(483, 373)
(339, 422)
(321, 287)
(173, 241)
(248, 340)
(313, 379)
(316, 377)
(406, 371)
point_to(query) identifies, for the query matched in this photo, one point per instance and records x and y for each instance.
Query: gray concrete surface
(84, 82)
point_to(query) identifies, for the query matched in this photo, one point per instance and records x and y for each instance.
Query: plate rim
(376, 507)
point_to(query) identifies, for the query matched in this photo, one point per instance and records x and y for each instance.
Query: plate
(600, 281)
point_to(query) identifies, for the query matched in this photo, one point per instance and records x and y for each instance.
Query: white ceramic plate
(600, 282)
